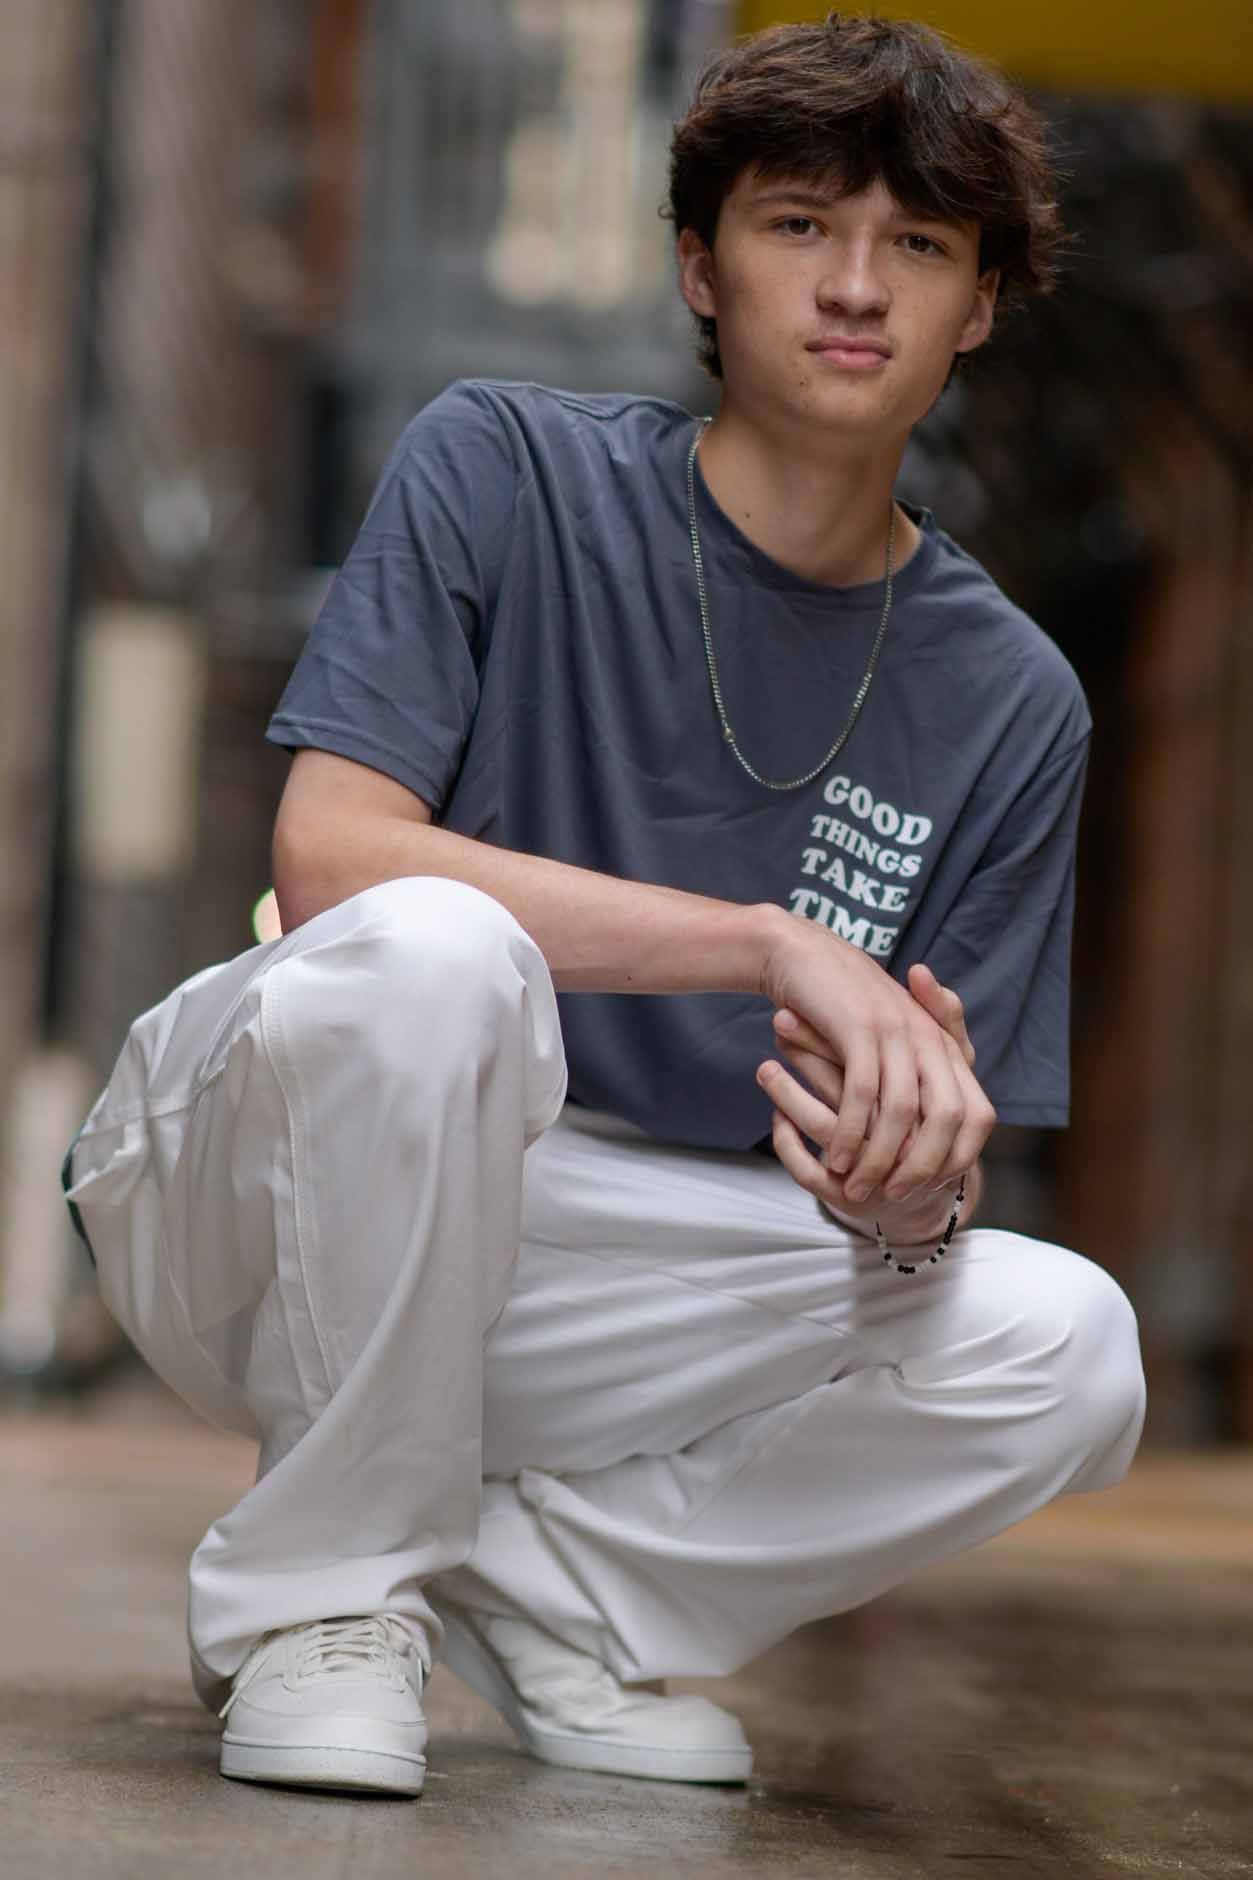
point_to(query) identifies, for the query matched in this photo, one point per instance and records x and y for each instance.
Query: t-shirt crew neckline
(714, 521)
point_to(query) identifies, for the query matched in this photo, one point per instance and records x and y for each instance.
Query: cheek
(938, 324)
(743, 304)
(752, 297)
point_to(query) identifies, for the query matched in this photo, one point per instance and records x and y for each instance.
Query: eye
(922, 244)
(793, 223)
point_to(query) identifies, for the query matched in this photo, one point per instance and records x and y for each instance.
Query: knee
(1079, 1335)
(414, 961)
(1052, 1349)
(435, 921)
(426, 932)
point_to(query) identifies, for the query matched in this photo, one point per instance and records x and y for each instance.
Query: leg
(712, 1415)
(303, 1189)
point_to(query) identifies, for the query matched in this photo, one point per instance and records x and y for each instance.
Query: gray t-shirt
(515, 636)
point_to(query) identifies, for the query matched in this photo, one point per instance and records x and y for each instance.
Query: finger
(805, 1169)
(898, 1113)
(797, 1104)
(827, 1078)
(790, 1028)
(928, 1159)
(978, 1122)
(861, 1090)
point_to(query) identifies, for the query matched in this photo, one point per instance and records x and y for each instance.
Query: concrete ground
(1073, 1699)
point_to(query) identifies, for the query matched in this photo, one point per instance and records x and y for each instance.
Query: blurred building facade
(282, 227)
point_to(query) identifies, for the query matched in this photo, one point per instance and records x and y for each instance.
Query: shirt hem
(311, 735)
(1032, 1116)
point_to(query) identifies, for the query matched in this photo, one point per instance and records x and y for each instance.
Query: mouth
(858, 355)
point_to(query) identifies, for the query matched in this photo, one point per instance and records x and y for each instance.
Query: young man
(585, 1387)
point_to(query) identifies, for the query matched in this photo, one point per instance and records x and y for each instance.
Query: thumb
(943, 1005)
(927, 989)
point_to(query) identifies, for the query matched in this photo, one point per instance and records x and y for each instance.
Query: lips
(847, 343)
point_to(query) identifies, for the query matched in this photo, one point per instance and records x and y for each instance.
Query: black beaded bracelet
(941, 1250)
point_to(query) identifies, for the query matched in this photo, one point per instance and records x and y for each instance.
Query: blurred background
(241, 241)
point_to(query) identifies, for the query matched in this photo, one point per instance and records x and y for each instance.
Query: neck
(818, 505)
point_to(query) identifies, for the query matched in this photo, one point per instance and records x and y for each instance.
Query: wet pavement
(1075, 1698)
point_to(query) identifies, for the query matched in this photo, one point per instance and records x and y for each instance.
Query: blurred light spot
(178, 519)
(27, 1344)
(265, 917)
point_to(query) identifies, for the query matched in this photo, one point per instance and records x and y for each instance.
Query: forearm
(343, 827)
(597, 933)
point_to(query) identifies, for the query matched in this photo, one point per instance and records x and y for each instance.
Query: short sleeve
(389, 673)
(1005, 948)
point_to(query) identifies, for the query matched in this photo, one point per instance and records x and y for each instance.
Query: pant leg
(713, 1415)
(303, 1189)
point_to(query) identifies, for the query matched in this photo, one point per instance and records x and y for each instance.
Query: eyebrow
(811, 198)
(820, 199)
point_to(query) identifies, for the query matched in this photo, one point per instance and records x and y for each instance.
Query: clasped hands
(892, 1103)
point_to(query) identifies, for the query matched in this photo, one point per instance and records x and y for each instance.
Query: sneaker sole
(309, 1766)
(465, 1654)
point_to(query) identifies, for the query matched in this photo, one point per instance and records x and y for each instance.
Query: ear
(696, 274)
(982, 311)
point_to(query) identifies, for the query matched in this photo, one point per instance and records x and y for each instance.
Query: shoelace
(336, 1645)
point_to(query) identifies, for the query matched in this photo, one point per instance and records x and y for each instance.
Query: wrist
(918, 1219)
(769, 928)
(923, 1216)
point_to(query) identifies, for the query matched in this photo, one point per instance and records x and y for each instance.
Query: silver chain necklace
(770, 783)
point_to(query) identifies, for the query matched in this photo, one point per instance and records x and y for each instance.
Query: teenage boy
(584, 1384)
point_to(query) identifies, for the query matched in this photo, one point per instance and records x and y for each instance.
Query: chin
(839, 410)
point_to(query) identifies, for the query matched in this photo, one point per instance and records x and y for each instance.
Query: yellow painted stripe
(1144, 45)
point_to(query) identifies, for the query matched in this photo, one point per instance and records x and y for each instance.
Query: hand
(944, 1006)
(894, 1106)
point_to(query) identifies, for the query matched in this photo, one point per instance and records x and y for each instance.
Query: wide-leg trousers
(502, 1350)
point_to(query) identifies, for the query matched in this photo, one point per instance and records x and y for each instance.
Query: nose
(852, 282)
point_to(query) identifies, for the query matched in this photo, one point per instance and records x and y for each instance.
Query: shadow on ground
(1072, 1699)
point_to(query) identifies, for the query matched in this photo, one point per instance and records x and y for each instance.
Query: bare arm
(911, 1113)
(342, 827)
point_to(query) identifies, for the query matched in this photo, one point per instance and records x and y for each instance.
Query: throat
(824, 554)
(827, 524)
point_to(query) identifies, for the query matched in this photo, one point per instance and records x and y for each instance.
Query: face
(840, 311)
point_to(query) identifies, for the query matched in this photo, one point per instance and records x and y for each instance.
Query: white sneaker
(334, 1704)
(568, 1708)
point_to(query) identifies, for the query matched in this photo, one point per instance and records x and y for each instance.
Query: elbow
(340, 828)
(316, 866)
(300, 874)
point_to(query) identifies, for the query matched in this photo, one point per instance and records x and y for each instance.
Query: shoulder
(1001, 652)
(528, 420)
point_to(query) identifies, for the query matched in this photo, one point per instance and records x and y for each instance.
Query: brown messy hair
(857, 100)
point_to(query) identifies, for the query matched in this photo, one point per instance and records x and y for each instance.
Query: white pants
(653, 1397)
